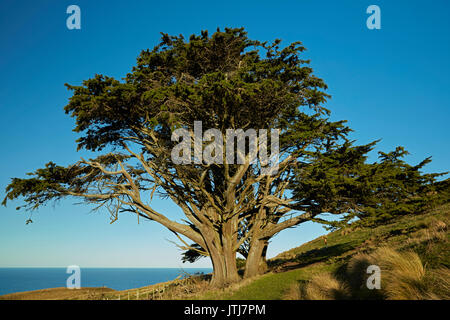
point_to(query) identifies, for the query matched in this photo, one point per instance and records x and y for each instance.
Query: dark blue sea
(27, 279)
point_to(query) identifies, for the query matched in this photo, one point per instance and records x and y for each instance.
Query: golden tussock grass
(326, 287)
(403, 277)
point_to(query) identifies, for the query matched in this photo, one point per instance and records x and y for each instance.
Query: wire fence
(183, 284)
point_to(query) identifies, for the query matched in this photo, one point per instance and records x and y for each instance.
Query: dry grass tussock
(403, 277)
(326, 287)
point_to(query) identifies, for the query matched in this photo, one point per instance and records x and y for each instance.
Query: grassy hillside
(426, 234)
(309, 266)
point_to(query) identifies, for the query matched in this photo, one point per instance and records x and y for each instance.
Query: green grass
(273, 286)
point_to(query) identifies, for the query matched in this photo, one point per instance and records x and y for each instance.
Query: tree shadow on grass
(310, 257)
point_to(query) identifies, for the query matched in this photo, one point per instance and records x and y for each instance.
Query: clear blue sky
(391, 83)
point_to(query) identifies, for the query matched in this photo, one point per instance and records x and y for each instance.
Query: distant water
(27, 279)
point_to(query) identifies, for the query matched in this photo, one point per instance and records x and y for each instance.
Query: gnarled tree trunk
(224, 267)
(256, 263)
(221, 247)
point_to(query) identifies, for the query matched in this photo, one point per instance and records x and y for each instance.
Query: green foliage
(55, 182)
(223, 80)
(240, 263)
(339, 180)
(193, 254)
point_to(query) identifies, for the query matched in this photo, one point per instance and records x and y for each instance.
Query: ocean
(27, 279)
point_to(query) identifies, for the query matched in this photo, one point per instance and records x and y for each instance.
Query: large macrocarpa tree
(226, 81)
